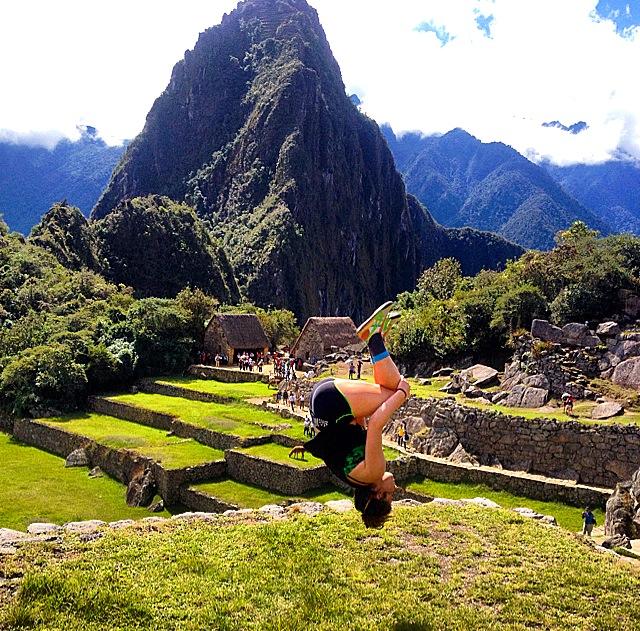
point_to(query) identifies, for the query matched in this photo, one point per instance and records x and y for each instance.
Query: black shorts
(328, 405)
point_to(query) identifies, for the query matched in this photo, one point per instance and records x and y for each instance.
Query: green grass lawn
(238, 391)
(249, 496)
(35, 486)
(278, 453)
(568, 517)
(171, 451)
(432, 567)
(230, 418)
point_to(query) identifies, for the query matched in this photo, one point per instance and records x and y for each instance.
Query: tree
(439, 281)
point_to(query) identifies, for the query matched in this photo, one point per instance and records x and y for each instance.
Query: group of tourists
(206, 359)
(284, 367)
(291, 397)
(355, 366)
(401, 435)
(249, 361)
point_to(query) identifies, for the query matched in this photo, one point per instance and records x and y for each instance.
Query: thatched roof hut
(321, 336)
(232, 334)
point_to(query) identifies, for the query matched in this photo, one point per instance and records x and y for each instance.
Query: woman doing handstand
(350, 447)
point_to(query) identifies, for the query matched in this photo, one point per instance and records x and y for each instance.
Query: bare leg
(385, 373)
(364, 398)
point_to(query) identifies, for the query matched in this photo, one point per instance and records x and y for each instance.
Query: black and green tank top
(341, 446)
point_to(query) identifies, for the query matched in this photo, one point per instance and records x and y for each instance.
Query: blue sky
(498, 68)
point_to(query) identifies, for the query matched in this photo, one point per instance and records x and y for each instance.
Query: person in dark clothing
(351, 447)
(589, 521)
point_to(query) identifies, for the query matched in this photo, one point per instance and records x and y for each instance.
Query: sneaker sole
(363, 329)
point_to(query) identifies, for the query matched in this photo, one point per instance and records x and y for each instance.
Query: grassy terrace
(248, 496)
(172, 452)
(568, 517)
(433, 567)
(278, 453)
(581, 409)
(35, 486)
(231, 418)
(238, 391)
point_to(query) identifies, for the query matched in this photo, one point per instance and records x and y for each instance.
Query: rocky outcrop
(622, 519)
(522, 396)
(627, 373)
(605, 410)
(142, 489)
(256, 132)
(572, 334)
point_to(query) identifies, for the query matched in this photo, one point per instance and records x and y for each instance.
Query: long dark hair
(374, 512)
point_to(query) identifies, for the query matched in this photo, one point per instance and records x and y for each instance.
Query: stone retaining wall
(227, 375)
(598, 455)
(198, 501)
(275, 476)
(526, 485)
(153, 387)
(166, 422)
(120, 464)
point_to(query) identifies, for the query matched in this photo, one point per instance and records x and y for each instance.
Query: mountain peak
(298, 185)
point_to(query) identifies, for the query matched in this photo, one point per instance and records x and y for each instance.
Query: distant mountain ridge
(255, 130)
(610, 189)
(488, 186)
(33, 178)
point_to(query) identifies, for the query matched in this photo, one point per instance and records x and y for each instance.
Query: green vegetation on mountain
(449, 315)
(610, 189)
(65, 333)
(432, 567)
(464, 182)
(33, 178)
(65, 232)
(296, 183)
(159, 247)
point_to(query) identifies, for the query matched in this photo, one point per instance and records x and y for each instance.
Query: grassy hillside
(35, 486)
(434, 567)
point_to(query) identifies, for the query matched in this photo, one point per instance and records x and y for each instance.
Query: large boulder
(625, 349)
(537, 381)
(77, 458)
(627, 373)
(608, 329)
(438, 441)
(544, 330)
(480, 375)
(142, 489)
(620, 513)
(461, 456)
(522, 396)
(606, 410)
(577, 334)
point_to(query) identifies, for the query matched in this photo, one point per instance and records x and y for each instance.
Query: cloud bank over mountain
(499, 69)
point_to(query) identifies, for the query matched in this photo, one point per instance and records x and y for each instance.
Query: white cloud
(546, 60)
(103, 63)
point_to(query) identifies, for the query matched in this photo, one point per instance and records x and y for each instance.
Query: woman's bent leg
(363, 398)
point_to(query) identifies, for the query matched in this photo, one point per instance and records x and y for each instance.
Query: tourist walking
(349, 445)
(567, 403)
(589, 521)
(400, 431)
(292, 401)
(359, 366)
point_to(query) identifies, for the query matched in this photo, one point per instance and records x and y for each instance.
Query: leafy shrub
(44, 376)
(517, 308)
